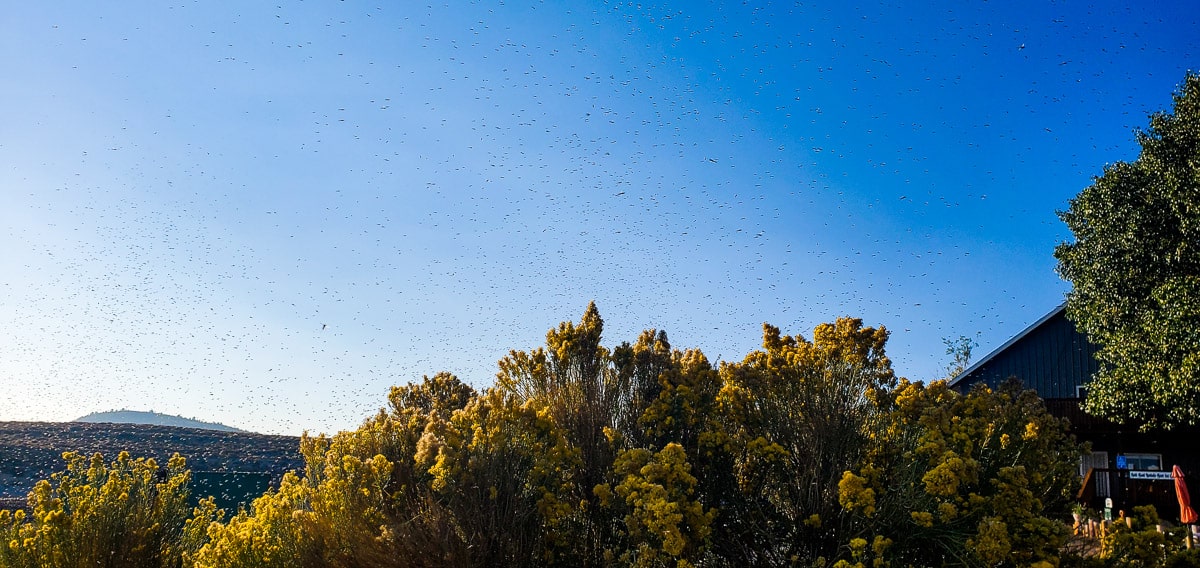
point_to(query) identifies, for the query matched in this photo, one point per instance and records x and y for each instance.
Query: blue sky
(266, 214)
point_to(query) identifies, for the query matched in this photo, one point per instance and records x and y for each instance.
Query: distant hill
(152, 418)
(30, 451)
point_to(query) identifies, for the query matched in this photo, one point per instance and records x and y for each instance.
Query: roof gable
(1050, 356)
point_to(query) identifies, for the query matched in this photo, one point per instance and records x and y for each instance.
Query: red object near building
(1187, 515)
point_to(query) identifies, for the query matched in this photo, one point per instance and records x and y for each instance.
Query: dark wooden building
(1128, 466)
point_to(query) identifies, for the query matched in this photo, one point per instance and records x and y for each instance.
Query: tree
(1135, 268)
(959, 351)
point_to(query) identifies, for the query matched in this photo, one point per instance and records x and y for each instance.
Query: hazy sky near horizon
(265, 214)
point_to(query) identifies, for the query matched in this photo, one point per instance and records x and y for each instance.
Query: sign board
(1122, 463)
(1158, 475)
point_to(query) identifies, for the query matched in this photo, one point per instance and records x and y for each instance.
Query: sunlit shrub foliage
(804, 453)
(126, 513)
(980, 479)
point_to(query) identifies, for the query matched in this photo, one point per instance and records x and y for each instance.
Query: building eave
(967, 372)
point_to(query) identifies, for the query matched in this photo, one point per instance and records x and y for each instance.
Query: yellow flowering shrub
(582, 392)
(804, 453)
(1142, 545)
(799, 414)
(944, 479)
(364, 499)
(271, 534)
(983, 476)
(991, 543)
(128, 511)
(505, 471)
(664, 523)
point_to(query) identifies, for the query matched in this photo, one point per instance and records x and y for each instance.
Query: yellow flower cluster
(94, 510)
(663, 520)
(967, 469)
(855, 495)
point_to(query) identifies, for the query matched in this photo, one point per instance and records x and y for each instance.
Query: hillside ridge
(124, 416)
(30, 451)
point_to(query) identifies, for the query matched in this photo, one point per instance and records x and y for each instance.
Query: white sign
(1160, 475)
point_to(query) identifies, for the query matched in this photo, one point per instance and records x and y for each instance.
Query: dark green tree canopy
(1135, 267)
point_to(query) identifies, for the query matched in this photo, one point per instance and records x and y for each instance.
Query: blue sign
(1121, 463)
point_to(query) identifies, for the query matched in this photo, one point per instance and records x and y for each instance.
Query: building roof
(1050, 356)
